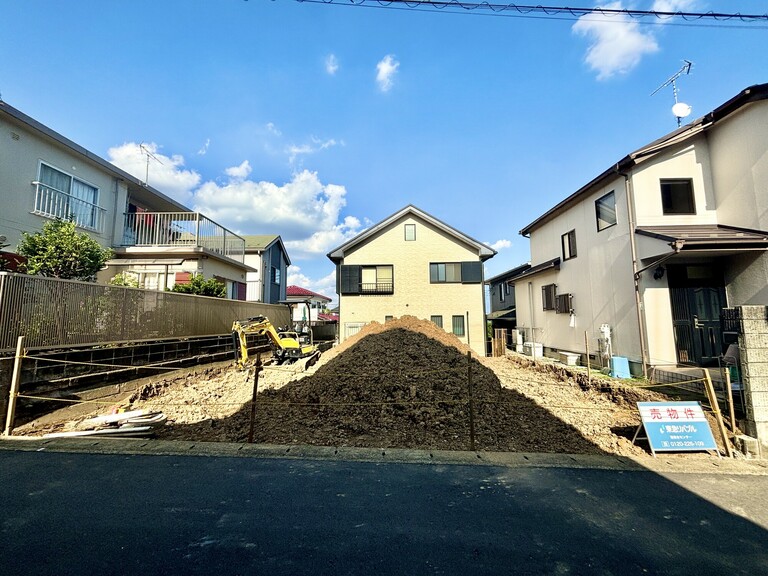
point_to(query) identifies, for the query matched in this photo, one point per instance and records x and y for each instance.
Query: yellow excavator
(286, 345)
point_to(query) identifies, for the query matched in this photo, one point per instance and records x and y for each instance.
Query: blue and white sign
(676, 426)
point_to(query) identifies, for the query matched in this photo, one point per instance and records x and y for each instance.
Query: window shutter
(349, 279)
(183, 277)
(471, 272)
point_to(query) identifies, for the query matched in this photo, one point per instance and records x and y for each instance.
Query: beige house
(157, 241)
(413, 264)
(641, 260)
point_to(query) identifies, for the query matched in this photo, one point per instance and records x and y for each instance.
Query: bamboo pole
(15, 379)
(729, 396)
(716, 409)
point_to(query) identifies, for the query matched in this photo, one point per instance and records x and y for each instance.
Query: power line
(550, 12)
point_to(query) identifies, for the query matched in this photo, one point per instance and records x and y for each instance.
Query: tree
(124, 279)
(60, 251)
(199, 286)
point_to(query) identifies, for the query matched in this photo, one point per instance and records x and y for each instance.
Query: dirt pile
(403, 384)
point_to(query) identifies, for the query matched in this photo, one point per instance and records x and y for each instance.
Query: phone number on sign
(685, 444)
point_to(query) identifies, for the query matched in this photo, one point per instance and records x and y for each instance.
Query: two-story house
(266, 255)
(642, 259)
(158, 241)
(413, 264)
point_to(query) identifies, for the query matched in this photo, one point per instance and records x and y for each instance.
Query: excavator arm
(285, 345)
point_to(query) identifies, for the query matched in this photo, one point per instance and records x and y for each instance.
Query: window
(410, 232)
(569, 245)
(275, 275)
(677, 197)
(59, 195)
(437, 320)
(356, 279)
(458, 325)
(502, 293)
(453, 272)
(548, 296)
(605, 211)
(564, 303)
(388, 318)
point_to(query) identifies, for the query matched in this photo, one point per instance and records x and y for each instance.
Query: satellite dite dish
(681, 110)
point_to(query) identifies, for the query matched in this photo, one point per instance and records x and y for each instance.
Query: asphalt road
(67, 513)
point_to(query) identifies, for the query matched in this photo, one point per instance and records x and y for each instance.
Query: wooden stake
(716, 409)
(586, 346)
(253, 400)
(471, 403)
(15, 379)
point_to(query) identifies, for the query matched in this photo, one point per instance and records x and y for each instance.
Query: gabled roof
(748, 95)
(484, 252)
(553, 264)
(304, 294)
(134, 183)
(258, 243)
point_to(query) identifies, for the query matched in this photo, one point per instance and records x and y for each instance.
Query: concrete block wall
(753, 350)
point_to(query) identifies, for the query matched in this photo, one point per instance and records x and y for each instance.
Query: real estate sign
(676, 426)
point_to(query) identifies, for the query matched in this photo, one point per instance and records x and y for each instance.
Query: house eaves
(484, 252)
(547, 266)
(19, 117)
(509, 274)
(747, 96)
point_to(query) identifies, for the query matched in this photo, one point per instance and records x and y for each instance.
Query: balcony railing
(181, 229)
(53, 203)
(377, 288)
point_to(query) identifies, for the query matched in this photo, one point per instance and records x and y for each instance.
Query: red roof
(298, 291)
(328, 317)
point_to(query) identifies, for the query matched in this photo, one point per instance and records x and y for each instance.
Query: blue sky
(313, 121)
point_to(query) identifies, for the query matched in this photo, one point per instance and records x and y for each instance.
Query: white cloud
(164, 173)
(272, 129)
(331, 64)
(239, 172)
(617, 44)
(673, 5)
(295, 151)
(500, 244)
(385, 72)
(204, 150)
(296, 210)
(325, 239)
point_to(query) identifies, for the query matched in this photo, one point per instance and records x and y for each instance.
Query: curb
(677, 464)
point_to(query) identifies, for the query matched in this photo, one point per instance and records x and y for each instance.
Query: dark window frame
(411, 227)
(437, 320)
(570, 237)
(564, 303)
(600, 215)
(671, 204)
(457, 321)
(548, 296)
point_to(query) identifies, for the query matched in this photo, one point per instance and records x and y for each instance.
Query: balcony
(181, 229)
(53, 203)
(377, 288)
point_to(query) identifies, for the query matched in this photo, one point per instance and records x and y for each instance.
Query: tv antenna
(148, 152)
(680, 109)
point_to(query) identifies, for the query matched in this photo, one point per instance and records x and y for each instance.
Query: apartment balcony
(181, 230)
(53, 203)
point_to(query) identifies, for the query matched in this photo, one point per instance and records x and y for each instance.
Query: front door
(698, 297)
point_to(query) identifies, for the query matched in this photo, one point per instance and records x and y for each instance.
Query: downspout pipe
(635, 270)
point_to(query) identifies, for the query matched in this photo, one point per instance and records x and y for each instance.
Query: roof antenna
(145, 150)
(680, 109)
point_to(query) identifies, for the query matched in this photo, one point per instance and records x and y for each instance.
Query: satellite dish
(681, 110)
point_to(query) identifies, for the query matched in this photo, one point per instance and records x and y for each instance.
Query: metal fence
(50, 312)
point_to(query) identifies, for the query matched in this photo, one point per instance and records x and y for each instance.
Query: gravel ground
(403, 384)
